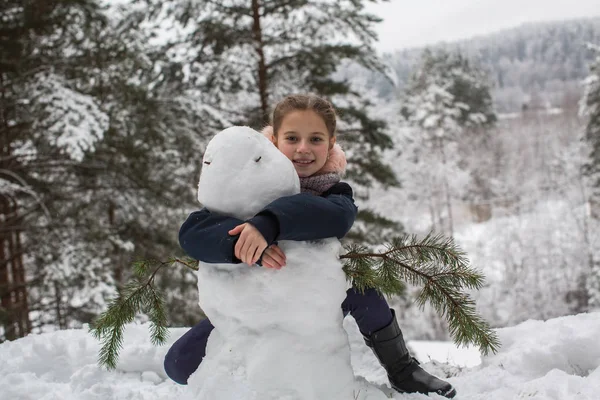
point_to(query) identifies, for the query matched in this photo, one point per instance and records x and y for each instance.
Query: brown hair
(304, 102)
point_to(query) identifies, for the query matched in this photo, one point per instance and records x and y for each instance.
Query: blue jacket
(204, 235)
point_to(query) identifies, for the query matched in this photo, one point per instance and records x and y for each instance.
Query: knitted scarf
(318, 184)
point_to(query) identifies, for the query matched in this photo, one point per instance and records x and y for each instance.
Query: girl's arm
(205, 236)
(308, 217)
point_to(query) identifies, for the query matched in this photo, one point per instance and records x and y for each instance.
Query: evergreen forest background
(105, 110)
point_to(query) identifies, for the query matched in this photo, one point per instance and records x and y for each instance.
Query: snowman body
(278, 333)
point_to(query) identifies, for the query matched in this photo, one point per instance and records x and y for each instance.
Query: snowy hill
(536, 63)
(555, 359)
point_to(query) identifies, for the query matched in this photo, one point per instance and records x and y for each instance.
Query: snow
(75, 122)
(555, 359)
(242, 171)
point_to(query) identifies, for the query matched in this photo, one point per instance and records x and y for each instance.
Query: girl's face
(304, 139)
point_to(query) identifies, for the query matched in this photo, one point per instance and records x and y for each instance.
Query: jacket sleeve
(308, 217)
(204, 236)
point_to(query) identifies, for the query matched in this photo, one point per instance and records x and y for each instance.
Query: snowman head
(242, 172)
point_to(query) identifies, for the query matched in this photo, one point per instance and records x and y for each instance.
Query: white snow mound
(62, 365)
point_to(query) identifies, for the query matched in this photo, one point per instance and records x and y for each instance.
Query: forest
(106, 108)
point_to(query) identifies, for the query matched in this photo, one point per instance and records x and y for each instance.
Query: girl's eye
(290, 139)
(317, 139)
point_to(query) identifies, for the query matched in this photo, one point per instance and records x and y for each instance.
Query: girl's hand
(273, 257)
(250, 245)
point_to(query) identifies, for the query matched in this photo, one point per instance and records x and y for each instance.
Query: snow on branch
(72, 121)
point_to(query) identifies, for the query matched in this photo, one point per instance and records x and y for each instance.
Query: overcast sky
(410, 23)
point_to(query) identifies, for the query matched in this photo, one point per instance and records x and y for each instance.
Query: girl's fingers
(277, 258)
(257, 252)
(244, 250)
(237, 230)
(273, 258)
(250, 253)
(238, 247)
(254, 251)
(278, 250)
(260, 251)
(267, 261)
(280, 253)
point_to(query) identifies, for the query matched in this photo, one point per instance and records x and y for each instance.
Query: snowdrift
(555, 359)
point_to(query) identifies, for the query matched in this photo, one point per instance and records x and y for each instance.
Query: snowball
(242, 171)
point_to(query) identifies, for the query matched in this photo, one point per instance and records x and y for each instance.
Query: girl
(303, 129)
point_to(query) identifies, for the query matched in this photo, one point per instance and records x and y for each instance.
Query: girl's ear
(331, 142)
(269, 134)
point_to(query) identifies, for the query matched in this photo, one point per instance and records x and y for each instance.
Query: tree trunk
(14, 311)
(58, 301)
(584, 303)
(262, 65)
(118, 266)
(447, 191)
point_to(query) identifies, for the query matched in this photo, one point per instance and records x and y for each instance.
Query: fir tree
(143, 178)
(99, 138)
(245, 55)
(591, 109)
(448, 103)
(47, 125)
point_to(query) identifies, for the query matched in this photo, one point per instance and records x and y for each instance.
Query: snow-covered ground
(555, 359)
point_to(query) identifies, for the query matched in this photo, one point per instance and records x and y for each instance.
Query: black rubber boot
(404, 372)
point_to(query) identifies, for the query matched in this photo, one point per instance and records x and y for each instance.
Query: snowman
(278, 333)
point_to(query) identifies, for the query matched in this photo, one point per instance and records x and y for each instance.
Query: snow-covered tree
(448, 103)
(47, 125)
(591, 109)
(100, 138)
(144, 170)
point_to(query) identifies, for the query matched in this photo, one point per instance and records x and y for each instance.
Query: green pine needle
(435, 263)
(441, 268)
(140, 268)
(110, 325)
(138, 296)
(155, 309)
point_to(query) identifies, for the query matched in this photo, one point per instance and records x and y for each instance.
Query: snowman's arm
(307, 217)
(204, 236)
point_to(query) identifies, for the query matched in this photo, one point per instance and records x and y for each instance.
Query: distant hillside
(539, 64)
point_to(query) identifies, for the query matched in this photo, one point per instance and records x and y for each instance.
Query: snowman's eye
(207, 162)
(258, 159)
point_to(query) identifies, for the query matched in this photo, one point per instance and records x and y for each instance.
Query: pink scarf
(319, 184)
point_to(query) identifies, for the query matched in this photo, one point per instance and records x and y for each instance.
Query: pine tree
(245, 55)
(143, 176)
(448, 103)
(591, 109)
(46, 126)
(99, 139)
